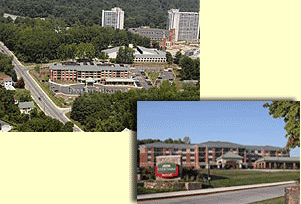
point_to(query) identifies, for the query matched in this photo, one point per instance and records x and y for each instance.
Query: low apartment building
(199, 155)
(141, 54)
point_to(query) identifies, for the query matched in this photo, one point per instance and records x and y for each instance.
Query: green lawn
(141, 190)
(279, 200)
(59, 101)
(226, 178)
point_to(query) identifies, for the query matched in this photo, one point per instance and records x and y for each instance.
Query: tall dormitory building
(186, 24)
(113, 18)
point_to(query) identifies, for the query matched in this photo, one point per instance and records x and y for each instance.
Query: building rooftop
(230, 155)
(141, 52)
(210, 144)
(23, 105)
(5, 78)
(82, 67)
(108, 79)
(279, 159)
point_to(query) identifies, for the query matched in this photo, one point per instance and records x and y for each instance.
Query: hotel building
(199, 155)
(107, 74)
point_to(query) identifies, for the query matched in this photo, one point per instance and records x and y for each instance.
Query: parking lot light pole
(208, 168)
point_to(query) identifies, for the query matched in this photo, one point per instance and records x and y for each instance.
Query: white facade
(186, 24)
(113, 18)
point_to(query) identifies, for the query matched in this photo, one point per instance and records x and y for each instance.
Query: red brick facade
(198, 156)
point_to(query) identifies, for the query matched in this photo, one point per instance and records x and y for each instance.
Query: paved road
(235, 197)
(38, 95)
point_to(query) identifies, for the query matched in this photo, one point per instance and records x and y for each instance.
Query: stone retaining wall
(193, 185)
(166, 185)
(292, 195)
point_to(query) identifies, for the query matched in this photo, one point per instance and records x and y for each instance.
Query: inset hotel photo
(218, 151)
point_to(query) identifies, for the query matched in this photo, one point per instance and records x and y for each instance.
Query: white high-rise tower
(113, 18)
(186, 24)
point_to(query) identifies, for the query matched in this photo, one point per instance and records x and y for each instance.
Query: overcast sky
(243, 122)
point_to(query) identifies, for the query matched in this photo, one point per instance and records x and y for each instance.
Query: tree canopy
(151, 13)
(290, 111)
(117, 111)
(35, 40)
(7, 67)
(36, 122)
(125, 55)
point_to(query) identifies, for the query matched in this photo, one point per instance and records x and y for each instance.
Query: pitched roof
(23, 105)
(167, 145)
(279, 159)
(230, 155)
(267, 147)
(221, 144)
(216, 144)
(99, 67)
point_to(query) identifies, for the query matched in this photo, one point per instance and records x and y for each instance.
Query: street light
(208, 166)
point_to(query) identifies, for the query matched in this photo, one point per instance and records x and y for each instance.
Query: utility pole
(208, 166)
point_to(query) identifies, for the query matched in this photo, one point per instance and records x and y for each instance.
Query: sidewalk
(207, 191)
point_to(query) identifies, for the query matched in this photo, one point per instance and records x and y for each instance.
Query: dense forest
(114, 112)
(37, 121)
(35, 40)
(88, 12)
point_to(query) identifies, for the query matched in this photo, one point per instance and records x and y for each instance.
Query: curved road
(39, 96)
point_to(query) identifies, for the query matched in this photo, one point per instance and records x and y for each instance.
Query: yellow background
(250, 50)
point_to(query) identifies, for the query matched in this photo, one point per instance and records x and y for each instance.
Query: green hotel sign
(167, 168)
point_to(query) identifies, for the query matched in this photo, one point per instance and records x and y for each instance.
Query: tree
(23, 95)
(169, 58)
(125, 55)
(103, 56)
(85, 51)
(37, 68)
(20, 83)
(177, 57)
(290, 111)
(186, 140)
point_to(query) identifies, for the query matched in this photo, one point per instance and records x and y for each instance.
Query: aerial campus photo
(218, 152)
(81, 66)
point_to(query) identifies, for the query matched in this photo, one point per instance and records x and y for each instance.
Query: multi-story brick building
(199, 155)
(164, 37)
(91, 73)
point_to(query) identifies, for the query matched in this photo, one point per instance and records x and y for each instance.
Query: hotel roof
(81, 67)
(279, 159)
(209, 144)
(230, 155)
